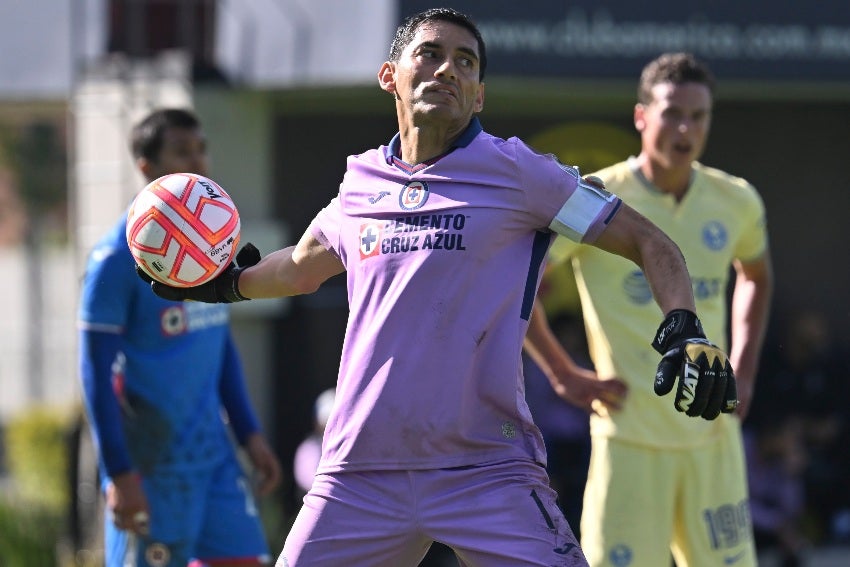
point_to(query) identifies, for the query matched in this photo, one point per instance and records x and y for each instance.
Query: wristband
(680, 325)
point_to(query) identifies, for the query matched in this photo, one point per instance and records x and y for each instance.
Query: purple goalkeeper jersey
(443, 261)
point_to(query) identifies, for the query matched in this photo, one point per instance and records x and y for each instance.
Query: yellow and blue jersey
(720, 218)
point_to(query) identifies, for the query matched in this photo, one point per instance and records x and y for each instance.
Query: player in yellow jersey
(661, 482)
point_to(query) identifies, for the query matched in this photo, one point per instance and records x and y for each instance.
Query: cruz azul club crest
(413, 195)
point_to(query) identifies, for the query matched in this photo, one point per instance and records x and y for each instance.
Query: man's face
(674, 126)
(184, 150)
(437, 74)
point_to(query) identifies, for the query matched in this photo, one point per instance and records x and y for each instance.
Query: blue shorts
(207, 515)
(500, 515)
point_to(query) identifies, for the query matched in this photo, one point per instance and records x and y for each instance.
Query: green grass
(29, 534)
(34, 500)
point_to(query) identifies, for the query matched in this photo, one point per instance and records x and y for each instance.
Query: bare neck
(423, 139)
(672, 181)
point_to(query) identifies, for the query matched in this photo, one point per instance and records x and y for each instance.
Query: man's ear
(146, 167)
(640, 123)
(479, 99)
(386, 77)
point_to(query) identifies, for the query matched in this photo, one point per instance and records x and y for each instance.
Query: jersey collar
(638, 173)
(392, 151)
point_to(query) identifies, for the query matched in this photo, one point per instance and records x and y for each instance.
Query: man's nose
(447, 68)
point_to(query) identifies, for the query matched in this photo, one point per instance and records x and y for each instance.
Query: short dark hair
(405, 32)
(146, 138)
(676, 68)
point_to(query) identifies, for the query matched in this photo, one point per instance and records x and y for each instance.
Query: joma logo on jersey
(370, 238)
(375, 198)
(413, 195)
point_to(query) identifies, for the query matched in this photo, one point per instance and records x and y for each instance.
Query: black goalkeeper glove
(224, 288)
(706, 381)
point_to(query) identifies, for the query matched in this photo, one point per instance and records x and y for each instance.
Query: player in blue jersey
(443, 234)
(156, 375)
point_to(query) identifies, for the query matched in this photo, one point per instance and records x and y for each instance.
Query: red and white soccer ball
(183, 229)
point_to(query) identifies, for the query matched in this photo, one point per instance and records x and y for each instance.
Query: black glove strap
(248, 256)
(227, 286)
(679, 325)
(224, 288)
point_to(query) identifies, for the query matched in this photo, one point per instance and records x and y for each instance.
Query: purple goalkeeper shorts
(502, 514)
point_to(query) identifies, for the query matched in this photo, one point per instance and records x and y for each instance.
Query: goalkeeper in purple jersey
(156, 375)
(442, 234)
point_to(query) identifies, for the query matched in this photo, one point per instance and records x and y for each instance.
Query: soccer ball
(183, 229)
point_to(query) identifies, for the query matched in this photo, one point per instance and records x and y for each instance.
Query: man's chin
(442, 112)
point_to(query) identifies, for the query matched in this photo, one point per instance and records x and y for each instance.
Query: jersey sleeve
(566, 203)
(326, 228)
(586, 213)
(106, 300)
(754, 239)
(107, 290)
(98, 353)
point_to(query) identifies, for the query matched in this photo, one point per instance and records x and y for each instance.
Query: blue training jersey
(167, 369)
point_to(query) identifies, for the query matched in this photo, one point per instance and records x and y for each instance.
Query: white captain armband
(584, 205)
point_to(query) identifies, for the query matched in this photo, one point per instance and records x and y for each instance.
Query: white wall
(269, 43)
(42, 371)
(38, 33)
(260, 43)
